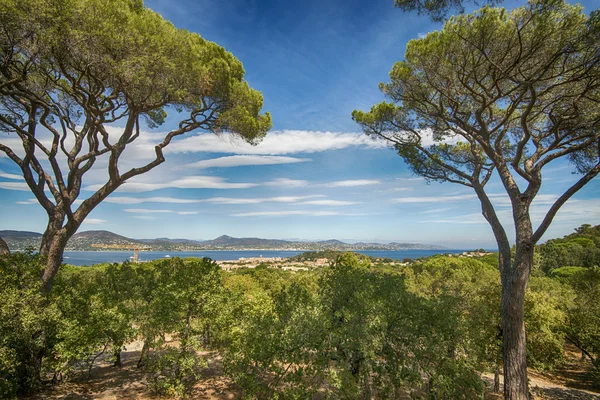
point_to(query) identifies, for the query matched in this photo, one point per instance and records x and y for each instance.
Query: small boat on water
(167, 256)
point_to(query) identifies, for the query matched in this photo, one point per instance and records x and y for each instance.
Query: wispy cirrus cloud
(27, 202)
(502, 199)
(286, 213)
(140, 200)
(287, 183)
(473, 218)
(395, 190)
(308, 213)
(353, 182)
(573, 212)
(258, 200)
(6, 175)
(246, 160)
(15, 186)
(330, 202)
(433, 199)
(275, 143)
(212, 200)
(94, 221)
(152, 211)
(188, 182)
(434, 210)
(293, 183)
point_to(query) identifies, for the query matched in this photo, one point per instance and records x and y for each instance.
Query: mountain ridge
(106, 240)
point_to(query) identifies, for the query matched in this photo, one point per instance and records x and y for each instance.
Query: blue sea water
(97, 257)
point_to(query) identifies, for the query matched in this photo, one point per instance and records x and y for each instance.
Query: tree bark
(117, 353)
(54, 257)
(143, 354)
(496, 388)
(514, 285)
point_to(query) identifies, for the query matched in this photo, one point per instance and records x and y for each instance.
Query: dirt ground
(573, 381)
(129, 382)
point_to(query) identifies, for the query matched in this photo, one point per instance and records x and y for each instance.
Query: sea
(96, 257)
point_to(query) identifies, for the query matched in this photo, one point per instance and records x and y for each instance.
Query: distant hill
(85, 240)
(95, 240)
(228, 241)
(21, 240)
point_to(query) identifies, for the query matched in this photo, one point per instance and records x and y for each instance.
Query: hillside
(85, 240)
(95, 240)
(21, 240)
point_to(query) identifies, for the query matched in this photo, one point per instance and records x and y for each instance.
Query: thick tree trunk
(514, 284)
(54, 241)
(54, 257)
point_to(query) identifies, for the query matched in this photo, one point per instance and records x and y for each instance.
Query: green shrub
(174, 372)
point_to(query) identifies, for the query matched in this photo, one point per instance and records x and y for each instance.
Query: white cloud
(287, 183)
(330, 202)
(214, 200)
(286, 213)
(14, 186)
(502, 199)
(279, 199)
(353, 182)
(144, 217)
(10, 176)
(397, 189)
(292, 183)
(276, 142)
(246, 160)
(415, 179)
(434, 210)
(434, 199)
(151, 211)
(188, 182)
(309, 213)
(460, 219)
(140, 200)
(94, 221)
(28, 201)
(573, 213)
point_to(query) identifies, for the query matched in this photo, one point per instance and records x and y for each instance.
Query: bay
(96, 257)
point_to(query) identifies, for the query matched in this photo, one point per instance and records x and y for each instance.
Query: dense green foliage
(579, 249)
(28, 324)
(583, 324)
(354, 329)
(330, 255)
(96, 311)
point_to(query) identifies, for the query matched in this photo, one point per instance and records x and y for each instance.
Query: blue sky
(314, 176)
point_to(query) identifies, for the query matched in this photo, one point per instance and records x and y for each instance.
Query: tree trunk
(143, 354)
(496, 388)
(53, 251)
(514, 284)
(117, 353)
